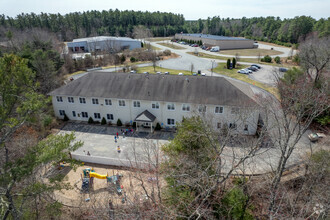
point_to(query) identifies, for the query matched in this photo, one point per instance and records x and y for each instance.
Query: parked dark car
(282, 69)
(253, 68)
(256, 65)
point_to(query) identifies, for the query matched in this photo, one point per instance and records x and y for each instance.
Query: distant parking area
(251, 52)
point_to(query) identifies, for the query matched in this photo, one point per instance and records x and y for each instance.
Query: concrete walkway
(100, 143)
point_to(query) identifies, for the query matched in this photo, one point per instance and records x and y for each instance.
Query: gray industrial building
(225, 43)
(102, 43)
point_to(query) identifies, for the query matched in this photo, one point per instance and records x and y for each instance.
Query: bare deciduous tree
(314, 55)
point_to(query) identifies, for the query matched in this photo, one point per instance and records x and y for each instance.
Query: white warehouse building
(102, 43)
(163, 99)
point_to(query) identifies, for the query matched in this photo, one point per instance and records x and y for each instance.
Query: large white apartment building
(163, 99)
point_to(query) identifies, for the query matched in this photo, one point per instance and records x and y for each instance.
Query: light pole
(212, 61)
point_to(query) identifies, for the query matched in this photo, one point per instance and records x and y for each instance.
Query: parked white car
(248, 71)
(243, 71)
(203, 74)
(180, 74)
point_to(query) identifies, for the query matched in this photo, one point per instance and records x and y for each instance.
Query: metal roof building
(103, 43)
(224, 42)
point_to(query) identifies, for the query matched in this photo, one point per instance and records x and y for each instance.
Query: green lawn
(155, 39)
(171, 45)
(150, 69)
(251, 52)
(247, 60)
(233, 73)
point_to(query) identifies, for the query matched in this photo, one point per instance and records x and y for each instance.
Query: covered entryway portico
(145, 119)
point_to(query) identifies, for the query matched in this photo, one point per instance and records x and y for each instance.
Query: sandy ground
(102, 192)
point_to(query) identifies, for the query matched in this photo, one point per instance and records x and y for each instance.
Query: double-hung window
(202, 108)
(218, 109)
(84, 114)
(62, 112)
(95, 101)
(136, 104)
(170, 121)
(107, 102)
(121, 102)
(110, 116)
(233, 126)
(70, 100)
(59, 99)
(185, 107)
(155, 105)
(97, 115)
(170, 106)
(82, 100)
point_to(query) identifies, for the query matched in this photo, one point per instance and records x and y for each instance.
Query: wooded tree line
(262, 28)
(93, 23)
(122, 23)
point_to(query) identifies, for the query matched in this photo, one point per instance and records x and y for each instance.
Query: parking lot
(99, 142)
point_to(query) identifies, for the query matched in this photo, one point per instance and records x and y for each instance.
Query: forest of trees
(122, 23)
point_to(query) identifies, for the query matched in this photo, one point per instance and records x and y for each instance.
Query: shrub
(47, 120)
(90, 120)
(132, 59)
(122, 58)
(228, 64)
(103, 122)
(65, 118)
(119, 123)
(158, 127)
(234, 63)
(267, 59)
(167, 52)
(277, 59)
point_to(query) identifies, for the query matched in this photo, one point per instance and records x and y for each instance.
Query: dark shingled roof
(168, 88)
(215, 37)
(149, 115)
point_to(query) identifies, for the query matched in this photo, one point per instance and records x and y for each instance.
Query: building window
(97, 115)
(95, 101)
(232, 126)
(59, 99)
(170, 121)
(62, 112)
(202, 108)
(246, 127)
(170, 106)
(70, 99)
(108, 102)
(185, 107)
(74, 113)
(84, 114)
(121, 102)
(110, 116)
(155, 105)
(235, 110)
(82, 100)
(218, 109)
(218, 125)
(136, 104)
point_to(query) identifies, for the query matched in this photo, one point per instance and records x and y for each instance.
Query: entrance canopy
(145, 116)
